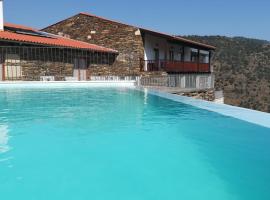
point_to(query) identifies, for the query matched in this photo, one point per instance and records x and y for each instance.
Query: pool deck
(251, 116)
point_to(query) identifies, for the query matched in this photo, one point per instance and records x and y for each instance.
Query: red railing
(174, 66)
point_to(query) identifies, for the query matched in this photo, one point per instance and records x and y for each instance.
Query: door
(156, 52)
(80, 69)
(12, 69)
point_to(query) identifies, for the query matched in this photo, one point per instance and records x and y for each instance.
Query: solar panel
(37, 33)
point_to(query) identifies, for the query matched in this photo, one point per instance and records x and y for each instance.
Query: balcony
(174, 66)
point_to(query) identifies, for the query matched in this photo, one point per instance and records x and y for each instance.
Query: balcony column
(198, 60)
(209, 61)
(183, 54)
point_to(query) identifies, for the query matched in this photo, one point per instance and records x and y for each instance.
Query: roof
(177, 38)
(180, 39)
(30, 35)
(170, 37)
(17, 26)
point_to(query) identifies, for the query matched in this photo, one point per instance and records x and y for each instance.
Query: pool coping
(248, 115)
(38, 84)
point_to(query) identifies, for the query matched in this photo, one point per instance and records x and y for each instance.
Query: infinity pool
(122, 144)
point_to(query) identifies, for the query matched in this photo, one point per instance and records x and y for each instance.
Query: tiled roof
(180, 39)
(168, 36)
(17, 26)
(46, 39)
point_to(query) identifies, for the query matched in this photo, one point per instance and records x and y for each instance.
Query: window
(179, 56)
(13, 69)
(171, 55)
(194, 56)
(204, 58)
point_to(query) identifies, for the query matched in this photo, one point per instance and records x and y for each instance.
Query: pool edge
(47, 84)
(248, 115)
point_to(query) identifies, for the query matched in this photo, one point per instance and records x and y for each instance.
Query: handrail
(184, 81)
(174, 66)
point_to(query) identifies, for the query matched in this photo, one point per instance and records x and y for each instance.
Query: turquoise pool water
(122, 144)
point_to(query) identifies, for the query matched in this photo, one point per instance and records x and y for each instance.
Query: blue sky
(249, 18)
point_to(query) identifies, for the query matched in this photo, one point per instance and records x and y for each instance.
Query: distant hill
(242, 69)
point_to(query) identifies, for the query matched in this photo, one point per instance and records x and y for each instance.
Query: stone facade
(126, 39)
(33, 70)
(29, 63)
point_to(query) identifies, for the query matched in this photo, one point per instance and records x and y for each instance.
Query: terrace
(174, 54)
(175, 66)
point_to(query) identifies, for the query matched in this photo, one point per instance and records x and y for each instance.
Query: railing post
(3, 72)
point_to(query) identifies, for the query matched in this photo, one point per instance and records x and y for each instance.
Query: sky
(248, 18)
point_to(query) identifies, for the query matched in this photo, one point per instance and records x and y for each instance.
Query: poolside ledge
(31, 84)
(251, 116)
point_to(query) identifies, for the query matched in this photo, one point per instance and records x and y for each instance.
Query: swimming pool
(120, 143)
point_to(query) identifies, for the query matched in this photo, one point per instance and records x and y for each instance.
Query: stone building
(32, 55)
(141, 51)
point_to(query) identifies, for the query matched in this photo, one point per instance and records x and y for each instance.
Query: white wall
(187, 53)
(206, 58)
(154, 42)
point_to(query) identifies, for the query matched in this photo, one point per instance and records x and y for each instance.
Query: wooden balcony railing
(174, 66)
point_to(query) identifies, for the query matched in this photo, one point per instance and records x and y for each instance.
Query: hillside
(242, 69)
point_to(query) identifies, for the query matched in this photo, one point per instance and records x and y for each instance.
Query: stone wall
(123, 38)
(32, 70)
(58, 62)
(35, 62)
(114, 70)
(208, 95)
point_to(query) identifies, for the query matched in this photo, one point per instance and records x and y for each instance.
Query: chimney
(1, 16)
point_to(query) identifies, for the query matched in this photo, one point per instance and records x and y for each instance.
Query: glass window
(171, 55)
(194, 56)
(204, 58)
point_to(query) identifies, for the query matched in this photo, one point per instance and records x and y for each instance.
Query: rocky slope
(242, 69)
